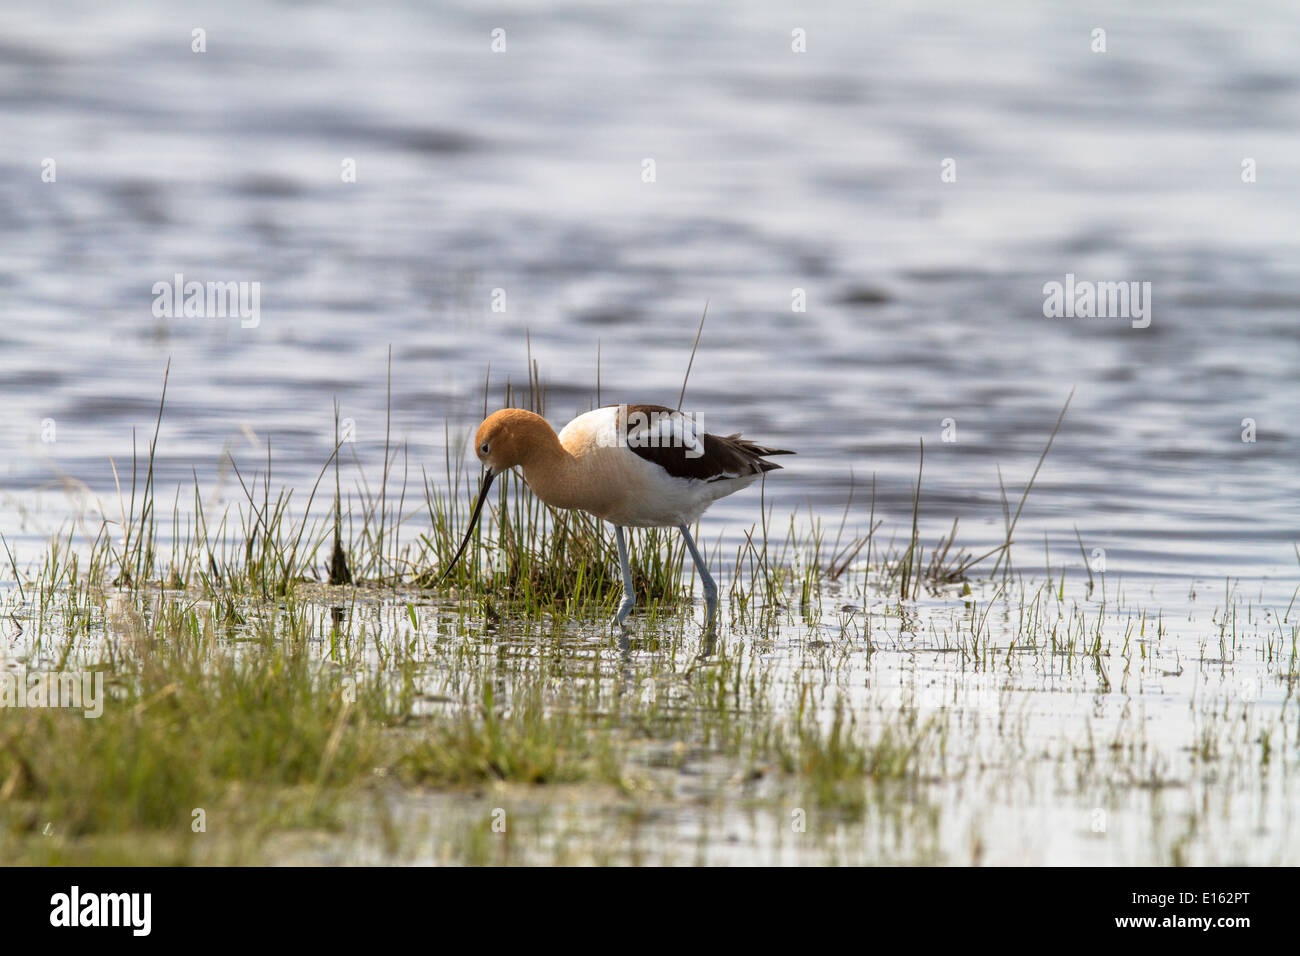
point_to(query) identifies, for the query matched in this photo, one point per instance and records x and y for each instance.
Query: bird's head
(505, 440)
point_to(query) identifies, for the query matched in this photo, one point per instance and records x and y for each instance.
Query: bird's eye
(483, 449)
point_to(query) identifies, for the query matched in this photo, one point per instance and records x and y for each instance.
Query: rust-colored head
(506, 439)
(510, 437)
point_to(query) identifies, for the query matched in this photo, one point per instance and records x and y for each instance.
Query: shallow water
(1062, 731)
(521, 171)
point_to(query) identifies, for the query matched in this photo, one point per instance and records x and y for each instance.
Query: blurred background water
(775, 171)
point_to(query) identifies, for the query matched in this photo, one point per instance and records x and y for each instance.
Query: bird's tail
(759, 452)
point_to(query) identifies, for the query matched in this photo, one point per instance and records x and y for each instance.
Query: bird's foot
(710, 608)
(624, 609)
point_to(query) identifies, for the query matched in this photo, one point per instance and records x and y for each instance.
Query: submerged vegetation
(283, 682)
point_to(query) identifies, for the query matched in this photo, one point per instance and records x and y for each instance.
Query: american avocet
(637, 466)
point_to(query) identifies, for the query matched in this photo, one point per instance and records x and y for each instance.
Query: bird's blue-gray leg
(706, 579)
(629, 595)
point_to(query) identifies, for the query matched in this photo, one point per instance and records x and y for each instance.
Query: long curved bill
(473, 522)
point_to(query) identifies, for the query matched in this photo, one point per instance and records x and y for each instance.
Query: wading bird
(635, 466)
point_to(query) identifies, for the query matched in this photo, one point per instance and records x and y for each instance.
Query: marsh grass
(290, 716)
(526, 558)
(840, 766)
(267, 727)
(528, 742)
(281, 663)
(249, 735)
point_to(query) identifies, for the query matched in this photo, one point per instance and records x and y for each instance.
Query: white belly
(616, 484)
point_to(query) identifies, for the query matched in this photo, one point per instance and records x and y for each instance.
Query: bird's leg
(706, 580)
(629, 595)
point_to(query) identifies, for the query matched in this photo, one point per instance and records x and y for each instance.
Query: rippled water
(522, 171)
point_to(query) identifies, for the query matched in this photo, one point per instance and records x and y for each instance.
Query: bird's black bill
(473, 522)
